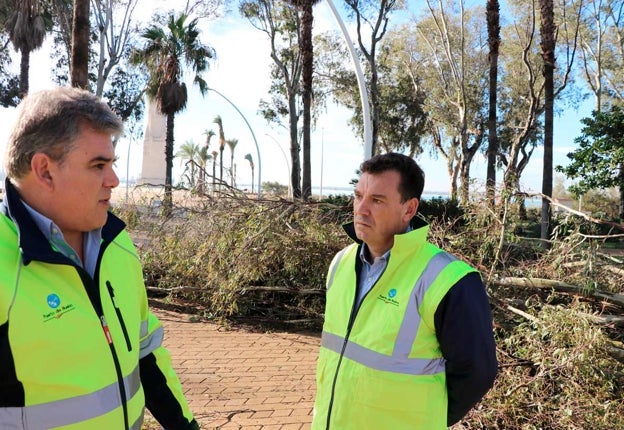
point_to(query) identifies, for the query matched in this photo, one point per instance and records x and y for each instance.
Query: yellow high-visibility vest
(63, 363)
(380, 367)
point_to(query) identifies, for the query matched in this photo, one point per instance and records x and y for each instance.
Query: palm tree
(26, 29)
(203, 158)
(214, 168)
(219, 123)
(164, 52)
(307, 58)
(205, 154)
(232, 144)
(189, 154)
(80, 44)
(251, 164)
(493, 25)
(548, 32)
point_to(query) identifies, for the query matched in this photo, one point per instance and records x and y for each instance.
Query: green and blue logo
(390, 297)
(54, 301)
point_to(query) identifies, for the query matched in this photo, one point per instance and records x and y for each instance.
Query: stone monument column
(153, 169)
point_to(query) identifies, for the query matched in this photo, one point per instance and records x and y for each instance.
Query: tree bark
(80, 45)
(493, 20)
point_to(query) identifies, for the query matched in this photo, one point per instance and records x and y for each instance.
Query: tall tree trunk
(80, 45)
(295, 173)
(622, 192)
(493, 22)
(547, 31)
(168, 203)
(221, 149)
(24, 71)
(306, 74)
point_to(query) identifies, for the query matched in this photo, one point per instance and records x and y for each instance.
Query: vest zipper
(111, 292)
(354, 311)
(346, 340)
(93, 292)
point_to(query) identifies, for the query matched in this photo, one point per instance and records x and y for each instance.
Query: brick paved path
(238, 379)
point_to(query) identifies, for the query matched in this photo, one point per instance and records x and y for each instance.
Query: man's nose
(362, 207)
(111, 180)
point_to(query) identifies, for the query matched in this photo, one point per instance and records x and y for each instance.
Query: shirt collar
(53, 233)
(385, 256)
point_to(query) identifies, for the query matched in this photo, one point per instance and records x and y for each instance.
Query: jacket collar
(32, 242)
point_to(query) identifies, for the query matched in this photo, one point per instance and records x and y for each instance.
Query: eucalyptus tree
(402, 120)
(281, 24)
(372, 18)
(165, 53)
(522, 88)
(27, 31)
(204, 8)
(79, 62)
(231, 143)
(601, 50)
(448, 55)
(113, 23)
(307, 64)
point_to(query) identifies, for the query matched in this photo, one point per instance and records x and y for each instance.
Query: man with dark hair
(407, 341)
(79, 347)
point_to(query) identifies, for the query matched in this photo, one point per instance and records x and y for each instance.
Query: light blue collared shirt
(90, 241)
(370, 273)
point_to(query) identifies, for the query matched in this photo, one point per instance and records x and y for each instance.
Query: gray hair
(49, 122)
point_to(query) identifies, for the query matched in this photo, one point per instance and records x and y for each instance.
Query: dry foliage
(559, 349)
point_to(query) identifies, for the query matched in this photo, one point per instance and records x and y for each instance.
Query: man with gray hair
(79, 347)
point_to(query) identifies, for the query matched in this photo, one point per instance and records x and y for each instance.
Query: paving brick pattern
(239, 379)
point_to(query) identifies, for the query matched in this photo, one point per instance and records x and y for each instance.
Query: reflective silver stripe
(70, 411)
(376, 360)
(399, 361)
(144, 327)
(138, 424)
(411, 319)
(152, 342)
(332, 273)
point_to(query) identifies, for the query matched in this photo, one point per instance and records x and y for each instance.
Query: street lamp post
(368, 134)
(252, 134)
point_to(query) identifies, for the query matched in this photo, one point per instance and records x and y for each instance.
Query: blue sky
(241, 73)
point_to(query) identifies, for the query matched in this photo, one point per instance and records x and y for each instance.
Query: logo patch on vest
(56, 310)
(389, 297)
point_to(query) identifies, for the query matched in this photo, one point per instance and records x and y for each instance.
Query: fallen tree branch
(277, 289)
(549, 284)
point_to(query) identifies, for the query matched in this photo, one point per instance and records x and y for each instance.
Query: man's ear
(40, 165)
(411, 208)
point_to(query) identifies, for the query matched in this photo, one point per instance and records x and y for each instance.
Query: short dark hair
(412, 176)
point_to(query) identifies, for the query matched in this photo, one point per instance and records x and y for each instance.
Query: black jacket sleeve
(463, 324)
(159, 398)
